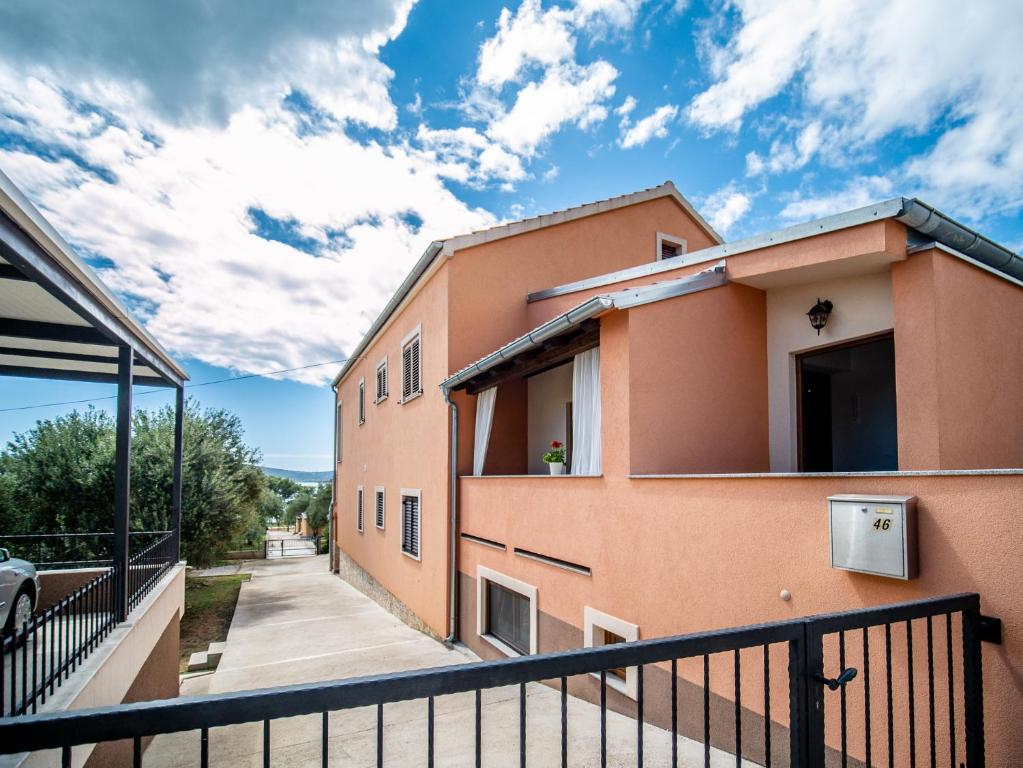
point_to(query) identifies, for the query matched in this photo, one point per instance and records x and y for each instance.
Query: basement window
(506, 612)
(603, 629)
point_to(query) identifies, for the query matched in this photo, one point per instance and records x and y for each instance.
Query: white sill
(553, 477)
(412, 557)
(617, 683)
(410, 398)
(379, 400)
(503, 647)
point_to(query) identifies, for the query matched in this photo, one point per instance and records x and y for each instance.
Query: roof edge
(450, 245)
(913, 213)
(418, 270)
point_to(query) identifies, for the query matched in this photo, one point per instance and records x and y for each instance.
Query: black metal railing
(783, 724)
(52, 551)
(41, 654)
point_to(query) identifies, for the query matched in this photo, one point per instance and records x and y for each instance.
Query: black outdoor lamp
(819, 313)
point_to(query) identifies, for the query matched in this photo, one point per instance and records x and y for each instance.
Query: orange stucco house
(707, 423)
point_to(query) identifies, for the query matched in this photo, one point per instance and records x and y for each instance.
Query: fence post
(806, 698)
(973, 687)
(122, 478)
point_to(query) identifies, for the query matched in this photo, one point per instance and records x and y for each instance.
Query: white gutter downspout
(453, 542)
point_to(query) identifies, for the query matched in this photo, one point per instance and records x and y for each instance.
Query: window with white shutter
(380, 507)
(411, 366)
(338, 426)
(359, 516)
(362, 401)
(381, 380)
(410, 523)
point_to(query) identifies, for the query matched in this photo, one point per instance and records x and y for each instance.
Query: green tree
(318, 508)
(297, 506)
(59, 477)
(284, 487)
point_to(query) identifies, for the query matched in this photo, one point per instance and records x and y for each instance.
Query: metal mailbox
(873, 534)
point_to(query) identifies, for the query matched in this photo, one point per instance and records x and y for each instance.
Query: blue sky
(255, 184)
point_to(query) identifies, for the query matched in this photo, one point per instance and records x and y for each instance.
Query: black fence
(41, 654)
(769, 699)
(52, 551)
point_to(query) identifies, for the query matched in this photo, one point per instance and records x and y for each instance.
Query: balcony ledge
(551, 477)
(791, 475)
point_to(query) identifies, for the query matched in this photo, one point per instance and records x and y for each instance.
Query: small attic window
(669, 246)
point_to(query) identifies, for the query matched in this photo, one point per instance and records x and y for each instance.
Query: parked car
(19, 591)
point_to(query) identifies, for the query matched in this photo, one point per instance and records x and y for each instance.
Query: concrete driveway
(297, 623)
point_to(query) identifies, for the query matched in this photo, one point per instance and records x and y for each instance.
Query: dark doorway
(847, 420)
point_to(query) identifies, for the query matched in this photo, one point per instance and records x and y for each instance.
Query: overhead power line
(196, 385)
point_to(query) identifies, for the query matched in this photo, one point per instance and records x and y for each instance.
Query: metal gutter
(428, 257)
(934, 245)
(453, 524)
(916, 215)
(937, 226)
(597, 305)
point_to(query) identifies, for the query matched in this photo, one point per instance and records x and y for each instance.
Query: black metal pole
(179, 444)
(122, 478)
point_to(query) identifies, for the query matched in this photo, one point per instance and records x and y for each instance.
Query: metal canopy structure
(58, 321)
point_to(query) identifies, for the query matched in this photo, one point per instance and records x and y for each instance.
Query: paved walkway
(297, 623)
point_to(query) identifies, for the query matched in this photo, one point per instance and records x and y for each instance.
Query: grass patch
(209, 606)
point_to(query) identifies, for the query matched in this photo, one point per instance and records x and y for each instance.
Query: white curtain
(484, 419)
(586, 413)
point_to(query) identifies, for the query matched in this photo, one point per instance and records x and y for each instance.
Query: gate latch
(835, 683)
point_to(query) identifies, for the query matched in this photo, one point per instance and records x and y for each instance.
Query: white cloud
(528, 36)
(207, 60)
(654, 125)
(873, 68)
(567, 94)
(625, 108)
(787, 157)
(533, 50)
(467, 156)
(172, 207)
(725, 207)
(858, 192)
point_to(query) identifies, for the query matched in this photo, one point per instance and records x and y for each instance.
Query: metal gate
(896, 685)
(299, 546)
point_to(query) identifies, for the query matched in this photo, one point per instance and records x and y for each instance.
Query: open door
(847, 414)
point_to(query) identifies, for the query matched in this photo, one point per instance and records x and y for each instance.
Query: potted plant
(555, 457)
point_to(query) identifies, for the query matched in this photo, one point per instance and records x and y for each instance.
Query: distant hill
(299, 476)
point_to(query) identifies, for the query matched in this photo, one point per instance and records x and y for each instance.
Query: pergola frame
(32, 253)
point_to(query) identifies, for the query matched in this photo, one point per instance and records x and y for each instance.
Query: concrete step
(197, 661)
(214, 652)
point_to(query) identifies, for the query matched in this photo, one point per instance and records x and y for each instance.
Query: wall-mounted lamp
(819, 314)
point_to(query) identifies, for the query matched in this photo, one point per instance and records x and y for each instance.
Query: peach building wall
(472, 303)
(959, 355)
(698, 383)
(401, 446)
